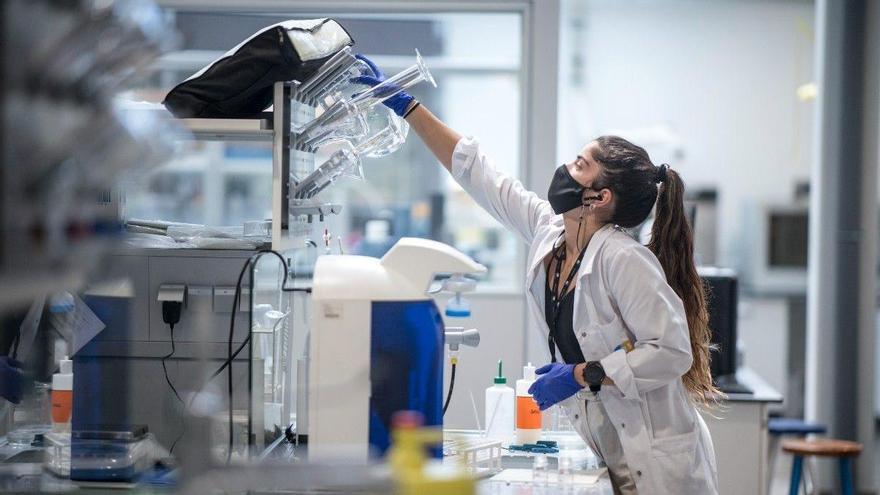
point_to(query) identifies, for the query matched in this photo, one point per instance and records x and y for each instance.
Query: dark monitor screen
(722, 296)
(787, 238)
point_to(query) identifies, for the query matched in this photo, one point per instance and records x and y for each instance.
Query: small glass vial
(565, 469)
(540, 470)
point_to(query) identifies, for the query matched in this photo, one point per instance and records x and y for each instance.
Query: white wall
(763, 334)
(500, 320)
(718, 75)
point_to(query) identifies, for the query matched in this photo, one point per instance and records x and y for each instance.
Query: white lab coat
(621, 293)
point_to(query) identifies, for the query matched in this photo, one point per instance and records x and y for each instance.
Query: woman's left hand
(557, 383)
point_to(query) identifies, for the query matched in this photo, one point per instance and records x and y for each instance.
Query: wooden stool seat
(842, 450)
(825, 447)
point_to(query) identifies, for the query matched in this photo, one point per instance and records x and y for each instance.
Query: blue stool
(842, 450)
(793, 426)
(779, 427)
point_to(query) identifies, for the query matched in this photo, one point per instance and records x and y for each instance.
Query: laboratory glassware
(31, 417)
(540, 470)
(359, 104)
(379, 133)
(329, 71)
(343, 121)
(401, 81)
(342, 163)
(386, 135)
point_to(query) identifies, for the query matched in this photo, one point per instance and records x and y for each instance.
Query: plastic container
(528, 414)
(458, 307)
(58, 453)
(111, 455)
(62, 396)
(499, 409)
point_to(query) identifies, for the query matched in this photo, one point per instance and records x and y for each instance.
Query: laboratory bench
(738, 426)
(739, 433)
(22, 471)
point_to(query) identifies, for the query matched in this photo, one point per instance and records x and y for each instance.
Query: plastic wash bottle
(499, 409)
(528, 414)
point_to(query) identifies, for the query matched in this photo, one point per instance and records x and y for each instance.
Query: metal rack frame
(287, 156)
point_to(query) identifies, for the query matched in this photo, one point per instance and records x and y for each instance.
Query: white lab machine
(376, 345)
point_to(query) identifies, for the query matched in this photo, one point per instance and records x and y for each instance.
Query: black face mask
(565, 193)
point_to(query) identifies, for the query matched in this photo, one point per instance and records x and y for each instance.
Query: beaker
(387, 133)
(31, 417)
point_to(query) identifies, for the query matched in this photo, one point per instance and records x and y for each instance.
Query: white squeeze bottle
(499, 409)
(528, 414)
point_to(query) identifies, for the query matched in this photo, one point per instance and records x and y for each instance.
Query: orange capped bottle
(528, 415)
(62, 396)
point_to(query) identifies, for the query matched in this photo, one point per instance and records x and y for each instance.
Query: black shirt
(566, 341)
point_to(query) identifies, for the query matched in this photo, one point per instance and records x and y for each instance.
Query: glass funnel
(333, 119)
(385, 133)
(343, 87)
(342, 163)
(342, 121)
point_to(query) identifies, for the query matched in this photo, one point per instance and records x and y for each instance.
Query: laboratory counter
(739, 427)
(497, 472)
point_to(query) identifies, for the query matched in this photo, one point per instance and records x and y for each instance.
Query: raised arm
(438, 137)
(502, 196)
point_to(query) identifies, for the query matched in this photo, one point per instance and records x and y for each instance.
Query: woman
(629, 321)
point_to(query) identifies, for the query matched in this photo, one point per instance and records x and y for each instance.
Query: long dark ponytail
(629, 173)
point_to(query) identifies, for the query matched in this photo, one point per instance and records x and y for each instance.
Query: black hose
(230, 356)
(165, 369)
(451, 386)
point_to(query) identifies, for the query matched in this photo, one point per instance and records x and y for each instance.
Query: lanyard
(557, 295)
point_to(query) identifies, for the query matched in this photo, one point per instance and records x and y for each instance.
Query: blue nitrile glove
(556, 384)
(10, 379)
(398, 102)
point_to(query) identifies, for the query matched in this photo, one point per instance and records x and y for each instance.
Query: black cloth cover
(239, 84)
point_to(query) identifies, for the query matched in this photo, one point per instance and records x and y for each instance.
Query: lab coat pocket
(676, 462)
(609, 335)
(675, 444)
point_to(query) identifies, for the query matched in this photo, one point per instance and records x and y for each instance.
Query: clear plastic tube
(343, 163)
